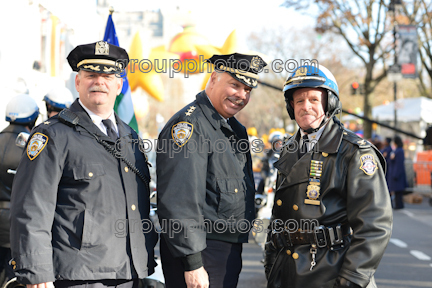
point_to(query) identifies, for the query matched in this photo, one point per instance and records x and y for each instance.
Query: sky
(218, 19)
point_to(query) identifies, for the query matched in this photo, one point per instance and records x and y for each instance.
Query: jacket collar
(297, 169)
(212, 115)
(85, 120)
(331, 137)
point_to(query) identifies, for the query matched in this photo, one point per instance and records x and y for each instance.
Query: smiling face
(227, 95)
(308, 104)
(98, 91)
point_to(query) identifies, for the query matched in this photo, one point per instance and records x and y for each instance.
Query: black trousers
(398, 200)
(108, 283)
(222, 261)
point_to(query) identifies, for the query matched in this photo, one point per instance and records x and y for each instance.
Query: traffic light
(354, 88)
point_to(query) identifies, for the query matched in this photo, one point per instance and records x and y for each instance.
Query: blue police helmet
(22, 109)
(312, 76)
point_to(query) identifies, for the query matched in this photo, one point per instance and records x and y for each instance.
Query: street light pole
(393, 7)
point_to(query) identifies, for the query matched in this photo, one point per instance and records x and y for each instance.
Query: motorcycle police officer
(332, 218)
(57, 99)
(205, 181)
(22, 112)
(81, 192)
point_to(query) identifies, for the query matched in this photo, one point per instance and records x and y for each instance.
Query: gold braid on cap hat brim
(101, 62)
(232, 70)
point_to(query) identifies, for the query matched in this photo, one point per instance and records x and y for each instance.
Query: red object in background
(188, 55)
(355, 85)
(408, 69)
(423, 168)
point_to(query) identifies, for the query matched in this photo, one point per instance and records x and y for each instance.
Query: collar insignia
(190, 111)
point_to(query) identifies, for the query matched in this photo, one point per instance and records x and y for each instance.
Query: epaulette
(47, 123)
(353, 138)
(286, 139)
(189, 110)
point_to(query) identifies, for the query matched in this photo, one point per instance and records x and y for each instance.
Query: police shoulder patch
(36, 144)
(181, 133)
(368, 164)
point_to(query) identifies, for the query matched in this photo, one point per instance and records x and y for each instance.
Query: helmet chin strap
(313, 130)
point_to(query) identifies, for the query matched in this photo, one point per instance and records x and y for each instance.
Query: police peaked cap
(242, 67)
(100, 57)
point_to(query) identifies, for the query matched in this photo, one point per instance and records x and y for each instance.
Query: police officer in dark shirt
(81, 192)
(205, 181)
(22, 112)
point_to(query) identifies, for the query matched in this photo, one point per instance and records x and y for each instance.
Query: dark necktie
(304, 147)
(110, 129)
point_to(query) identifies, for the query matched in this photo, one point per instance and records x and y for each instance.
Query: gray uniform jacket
(76, 210)
(204, 179)
(353, 192)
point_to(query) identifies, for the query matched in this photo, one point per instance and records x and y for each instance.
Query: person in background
(22, 112)
(386, 151)
(397, 174)
(57, 99)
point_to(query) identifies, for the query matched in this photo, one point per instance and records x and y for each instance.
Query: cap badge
(255, 63)
(302, 71)
(101, 48)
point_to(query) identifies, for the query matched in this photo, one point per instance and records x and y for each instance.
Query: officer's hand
(41, 285)
(194, 279)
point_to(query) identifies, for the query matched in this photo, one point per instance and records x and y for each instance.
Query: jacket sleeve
(33, 204)
(369, 215)
(181, 184)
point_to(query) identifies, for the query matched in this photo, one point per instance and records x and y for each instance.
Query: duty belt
(322, 236)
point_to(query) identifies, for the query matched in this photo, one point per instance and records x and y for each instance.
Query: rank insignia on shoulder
(368, 164)
(190, 111)
(36, 144)
(181, 133)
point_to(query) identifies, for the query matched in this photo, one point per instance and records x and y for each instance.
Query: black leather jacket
(10, 155)
(353, 192)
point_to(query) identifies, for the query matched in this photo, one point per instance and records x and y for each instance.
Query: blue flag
(123, 105)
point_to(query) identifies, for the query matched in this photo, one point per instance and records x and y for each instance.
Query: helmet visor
(304, 81)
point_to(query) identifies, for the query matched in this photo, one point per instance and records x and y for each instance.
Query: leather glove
(344, 283)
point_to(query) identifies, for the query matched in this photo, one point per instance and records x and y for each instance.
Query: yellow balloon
(151, 81)
(207, 51)
(231, 44)
(186, 40)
